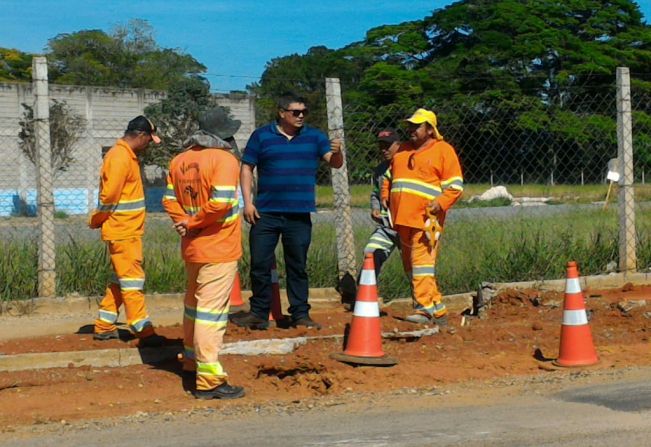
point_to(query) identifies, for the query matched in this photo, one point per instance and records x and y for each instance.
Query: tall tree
(15, 65)
(513, 80)
(128, 57)
(176, 117)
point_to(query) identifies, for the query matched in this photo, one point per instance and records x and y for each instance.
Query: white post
(343, 218)
(627, 239)
(44, 184)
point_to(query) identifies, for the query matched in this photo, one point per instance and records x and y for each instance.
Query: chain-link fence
(558, 203)
(552, 157)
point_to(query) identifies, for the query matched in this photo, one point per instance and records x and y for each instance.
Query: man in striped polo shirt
(286, 154)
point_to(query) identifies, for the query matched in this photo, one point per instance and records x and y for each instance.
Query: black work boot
(306, 322)
(250, 320)
(223, 391)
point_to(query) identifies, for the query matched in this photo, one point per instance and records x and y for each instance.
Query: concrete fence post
(627, 236)
(44, 183)
(347, 264)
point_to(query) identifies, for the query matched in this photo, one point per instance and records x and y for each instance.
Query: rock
(627, 287)
(495, 192)
(552, 304)
(537, 326)
(627, 306)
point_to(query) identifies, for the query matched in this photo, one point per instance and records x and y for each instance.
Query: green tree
(521, 86)
(15, 65)
(66, 127)
(128, 57)
(176, 117)
(304, 75)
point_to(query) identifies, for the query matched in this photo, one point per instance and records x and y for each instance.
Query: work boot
(418, 318)
(152, 341)
(103, 336)
(249, 320)
(441, 321)
(223, 391)
(307, 322)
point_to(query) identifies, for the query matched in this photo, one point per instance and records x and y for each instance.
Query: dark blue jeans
(295, 231)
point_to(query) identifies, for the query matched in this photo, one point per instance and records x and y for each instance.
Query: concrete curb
(587, 282)
(319, 297)
(68, 314)
(114, 358)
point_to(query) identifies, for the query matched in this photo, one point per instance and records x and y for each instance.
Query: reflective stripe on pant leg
(379, 240)
(189, 314)
(109, 309)
(423, 272)
(126, 257)
(437, 298)
(108, 317)
(213, 287)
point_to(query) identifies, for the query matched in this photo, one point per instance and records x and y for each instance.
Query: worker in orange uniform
(121, 216)
(202, 200)
(426, 182)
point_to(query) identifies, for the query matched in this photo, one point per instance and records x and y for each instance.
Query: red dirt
(518, 337)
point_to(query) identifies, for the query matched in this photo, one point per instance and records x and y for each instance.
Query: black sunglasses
(297, 112)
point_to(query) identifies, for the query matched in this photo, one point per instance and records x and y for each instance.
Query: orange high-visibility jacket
(121, 208)
(419, 177)
(202, 189)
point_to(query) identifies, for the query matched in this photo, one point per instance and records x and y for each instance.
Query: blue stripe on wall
(72, 201)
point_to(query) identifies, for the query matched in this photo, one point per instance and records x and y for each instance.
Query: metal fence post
(44, 185)
(343, 218)
(627, 239)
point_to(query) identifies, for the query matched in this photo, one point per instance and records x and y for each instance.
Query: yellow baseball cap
(421, 116)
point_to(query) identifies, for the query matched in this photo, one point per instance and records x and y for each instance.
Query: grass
(471, 252)
(560, 194)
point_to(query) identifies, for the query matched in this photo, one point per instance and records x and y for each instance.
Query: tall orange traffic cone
(276, 313)
(576, 347)
(235, 298)
(364, 345)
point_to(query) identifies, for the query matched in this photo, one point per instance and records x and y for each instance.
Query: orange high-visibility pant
(126, 287)
(419, 261)
(205, 318)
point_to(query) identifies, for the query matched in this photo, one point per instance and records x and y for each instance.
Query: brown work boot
(441, 321)
(104, 336)
(418, 318)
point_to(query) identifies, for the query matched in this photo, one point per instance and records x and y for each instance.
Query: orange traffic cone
(576, 347)
(235, 298)
(276, 313)
(365, 337)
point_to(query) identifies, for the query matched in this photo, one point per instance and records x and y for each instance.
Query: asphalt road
(611, 414)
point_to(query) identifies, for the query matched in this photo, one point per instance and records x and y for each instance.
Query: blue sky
(234, 39)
